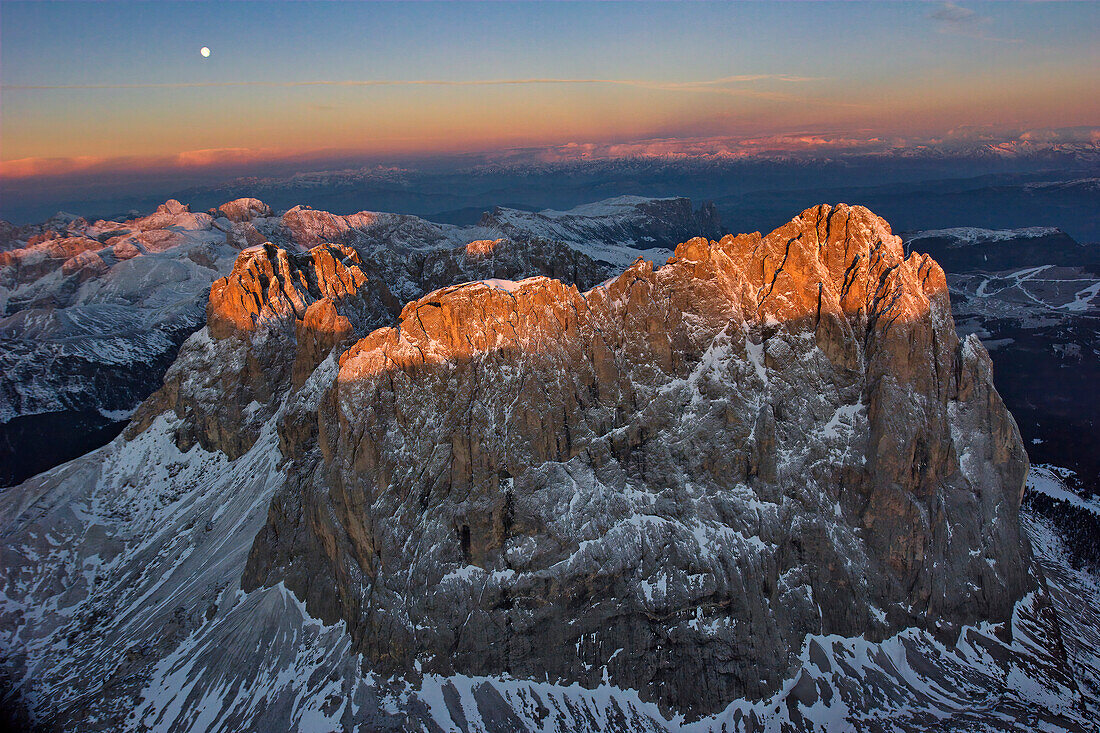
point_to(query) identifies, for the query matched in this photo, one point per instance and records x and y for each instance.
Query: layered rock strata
(93, 314)
(665, 482)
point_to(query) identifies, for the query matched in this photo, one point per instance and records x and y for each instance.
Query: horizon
(301, 86)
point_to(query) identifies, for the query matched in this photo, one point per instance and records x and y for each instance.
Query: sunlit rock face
(269, 323)
(281, 311)
(93, 314)
(665, 481)
(713, 486)
(243, 209)
(481, 248)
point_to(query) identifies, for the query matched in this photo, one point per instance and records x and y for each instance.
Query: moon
(204, 52)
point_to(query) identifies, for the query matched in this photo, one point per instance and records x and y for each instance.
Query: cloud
(799, 143)
(1083, 135)
(952, 14)
(715, 148)
(958, 20)
(45, 167)
(807, 144)
(220, 156)
(41, 166)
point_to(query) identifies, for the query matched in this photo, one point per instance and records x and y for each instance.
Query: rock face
(1033, 295)
(275, 316)
(667, 481)
(414, 256)
(95, 313)
(243, 210)
(763, 486)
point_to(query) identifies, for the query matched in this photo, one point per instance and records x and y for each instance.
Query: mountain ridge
(832, 289)
(96, 312)
(795, 486)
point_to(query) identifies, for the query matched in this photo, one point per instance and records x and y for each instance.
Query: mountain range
(93, 313)
(556, 470)
(564, 470)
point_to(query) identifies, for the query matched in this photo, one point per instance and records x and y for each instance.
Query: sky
(122, 86)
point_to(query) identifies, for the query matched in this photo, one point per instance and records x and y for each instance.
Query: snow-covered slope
(963, 236)
(139, 623)
(123, 607)
(93, 315)
(617, 230)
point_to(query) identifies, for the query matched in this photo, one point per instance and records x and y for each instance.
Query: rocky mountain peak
(482, 247)
(308, 227)
(759, 424)
(243, 209)
(761, 476)
(826, 261)
(171, 206)
(269, 283)
(273, 318)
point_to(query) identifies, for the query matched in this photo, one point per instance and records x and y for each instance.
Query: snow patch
(975, 235)
(509, 285)
(1048, 480)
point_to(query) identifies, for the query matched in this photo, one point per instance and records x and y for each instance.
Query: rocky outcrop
(27, 264)
(667, 481)
(243, 210)
(274, 318)
(269, 284)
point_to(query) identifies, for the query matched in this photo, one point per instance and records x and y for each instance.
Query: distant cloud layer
(952, 18)
(88, 164)
(813, 144)
(717, 148)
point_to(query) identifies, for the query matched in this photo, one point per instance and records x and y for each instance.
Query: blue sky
(897, 68)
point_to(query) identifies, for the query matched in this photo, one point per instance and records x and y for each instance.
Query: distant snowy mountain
(962, 236)
(93, 313)
(617, 230)
(965, 249)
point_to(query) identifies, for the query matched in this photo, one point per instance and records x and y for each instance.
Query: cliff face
(666, 481)
(729, 485)
(269, 323)
(280, 312)
(92, 314)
